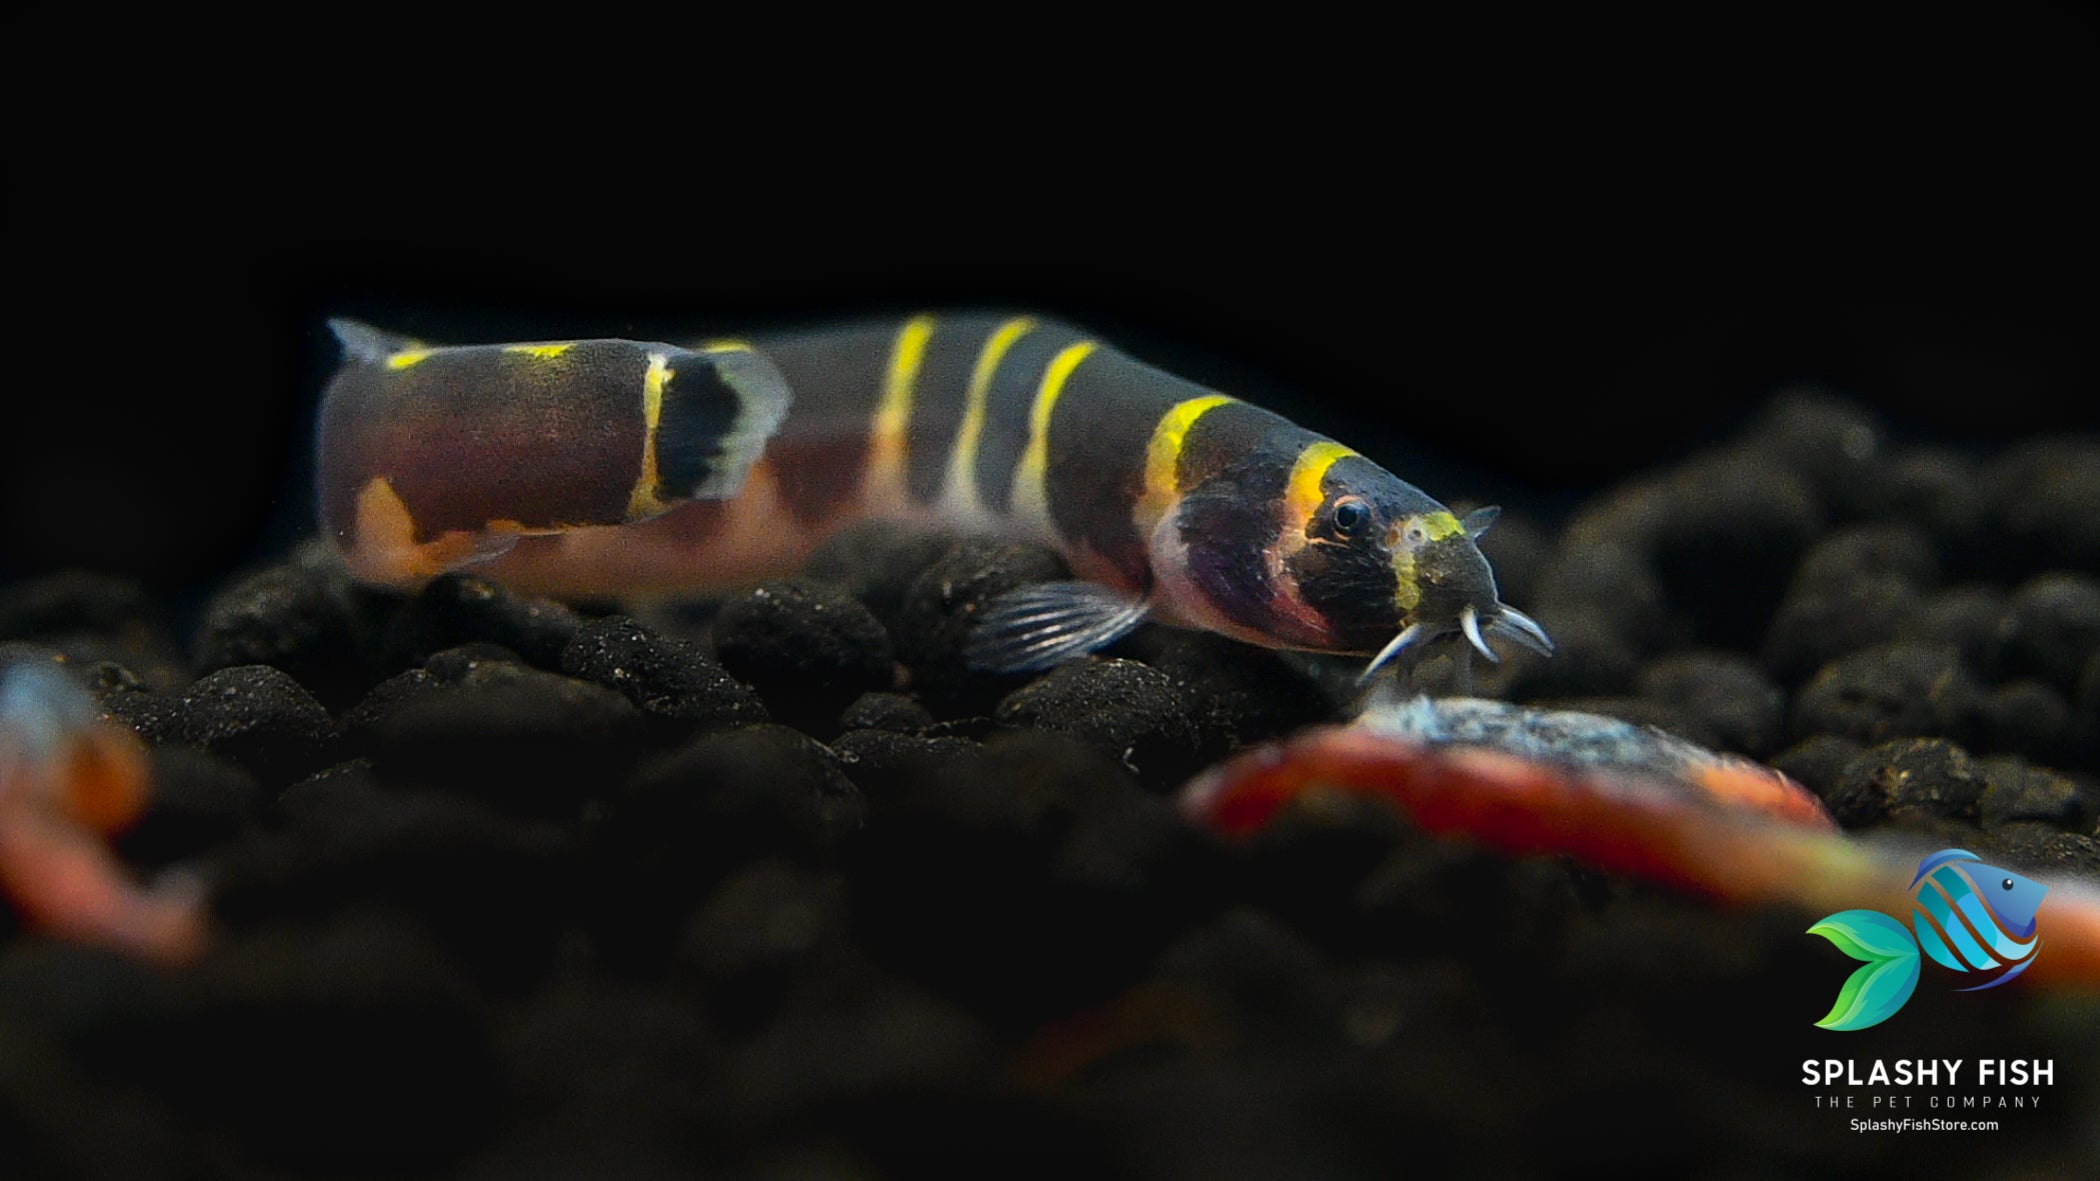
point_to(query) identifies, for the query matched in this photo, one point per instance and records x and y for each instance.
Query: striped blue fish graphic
(1969, 917)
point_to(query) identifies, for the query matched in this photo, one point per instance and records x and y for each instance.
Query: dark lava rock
(386, 697)
(1930, 486)
(457, 609)
(617, 1074)
(1736, 527)
(1815, 626)
(944, 603)
(2039, 848)
(878, 760)
(2052, 627)
(76, 601)
(2021, 792)
(1237, 694)
(303, 616)
(877, 563)
(885, 711)
(1127, 711)
(528, 742)
(691, 817)
(774, 785)
(259, 718)
(949, 1114)
(665, 676)
(1895, 550)
(1831, 440)
(1027, 880)
(198, 802)
(396, 1074)
(884, 1039)
(1917, 780)
(452, 664)
(1627, 516)
(2087, 703)
(1309, 865)
(1270, 978)
(1968, 617)
(808, 648)
(1855, 588)
(1895, 690)
(91, 618)
(497, 891)
(1591, 658)
(1735, 706)
(766, 928)
(1437, 898)
(1819, 763)
(1611, 585)
(2030, 717)
(77, 1083)
(155, 717)
(2040, 498)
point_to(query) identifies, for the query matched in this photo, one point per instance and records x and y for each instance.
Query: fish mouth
(1505, 623)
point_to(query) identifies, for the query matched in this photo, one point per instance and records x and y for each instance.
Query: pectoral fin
(1049, 623)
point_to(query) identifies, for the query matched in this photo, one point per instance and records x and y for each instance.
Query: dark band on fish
(699, 409)
(1100, 431)
(939, 400)
(1238, 434)
(1009, 405)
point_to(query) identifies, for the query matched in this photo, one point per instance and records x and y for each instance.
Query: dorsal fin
(1941, 858)
(363, 343)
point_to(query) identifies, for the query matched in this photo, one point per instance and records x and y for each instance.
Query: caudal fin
(1872, 994)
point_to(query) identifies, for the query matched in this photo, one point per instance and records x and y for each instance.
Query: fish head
(1349, 559)
(2014, 899)
(1386, 567)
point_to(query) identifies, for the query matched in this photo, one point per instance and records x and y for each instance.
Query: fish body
(69, 782)
(615, 467)
(1602, 749)
(1526, 780)
(1966, 916)
(1627, 799)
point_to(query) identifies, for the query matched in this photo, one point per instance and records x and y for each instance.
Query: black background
(1512, 255)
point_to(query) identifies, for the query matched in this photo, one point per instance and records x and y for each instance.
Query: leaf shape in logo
(1872, 994)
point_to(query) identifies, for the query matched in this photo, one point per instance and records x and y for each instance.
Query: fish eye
(1350, 516)
(2008, 883)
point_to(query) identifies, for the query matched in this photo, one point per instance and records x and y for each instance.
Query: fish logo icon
(1969, 917)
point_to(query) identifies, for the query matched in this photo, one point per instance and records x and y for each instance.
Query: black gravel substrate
(510, 889)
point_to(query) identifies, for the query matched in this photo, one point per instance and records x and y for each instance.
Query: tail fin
(1872, 994)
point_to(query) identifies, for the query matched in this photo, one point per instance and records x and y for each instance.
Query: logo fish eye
(2008, 883)
(1350, 516)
